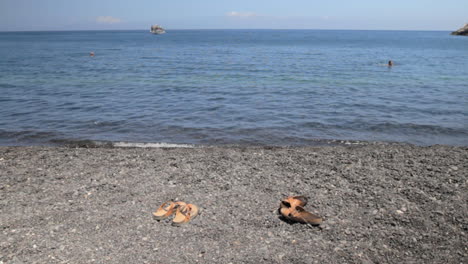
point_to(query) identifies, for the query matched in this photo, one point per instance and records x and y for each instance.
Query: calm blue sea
(266, 87)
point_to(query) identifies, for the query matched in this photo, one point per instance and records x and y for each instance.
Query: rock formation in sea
(462, 31)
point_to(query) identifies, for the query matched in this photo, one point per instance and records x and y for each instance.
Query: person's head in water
(91, 54)
(390, 63)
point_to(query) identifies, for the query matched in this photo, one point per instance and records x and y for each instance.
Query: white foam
(150, 145)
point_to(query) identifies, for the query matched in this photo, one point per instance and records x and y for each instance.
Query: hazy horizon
(56, 15)
(207, 29)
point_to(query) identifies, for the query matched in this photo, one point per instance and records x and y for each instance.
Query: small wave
(26, 137)
(7, 85)
(112, 124)
(388, 127)
(219, 98)
(76, 143)
(85, 143)
(415, 129)
(150, 145)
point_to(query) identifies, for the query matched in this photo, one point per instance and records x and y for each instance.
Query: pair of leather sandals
(292, 209)
(183, 212)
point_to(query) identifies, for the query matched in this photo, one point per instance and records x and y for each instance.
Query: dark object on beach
(292, 210)
(462, 31)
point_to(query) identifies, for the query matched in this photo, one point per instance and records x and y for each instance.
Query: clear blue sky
(221, 14)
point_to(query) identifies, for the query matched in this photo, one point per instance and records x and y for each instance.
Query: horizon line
(175, 29)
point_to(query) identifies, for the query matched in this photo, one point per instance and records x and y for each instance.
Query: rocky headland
(462, 31)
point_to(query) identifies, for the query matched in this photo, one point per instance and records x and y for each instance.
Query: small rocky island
(462, 31)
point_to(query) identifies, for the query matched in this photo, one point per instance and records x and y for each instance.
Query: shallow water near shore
(260, 87)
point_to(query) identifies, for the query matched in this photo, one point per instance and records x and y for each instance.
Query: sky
(32, 15)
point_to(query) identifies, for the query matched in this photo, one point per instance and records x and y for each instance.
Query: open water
(267, 87)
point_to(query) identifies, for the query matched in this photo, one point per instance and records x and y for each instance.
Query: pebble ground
(382, 203)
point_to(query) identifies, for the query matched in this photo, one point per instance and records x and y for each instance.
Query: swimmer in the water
(390, 63)
(91, 54)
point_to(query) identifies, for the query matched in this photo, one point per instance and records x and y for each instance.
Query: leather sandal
(165, 210)
(292, 209)
(184, 214)
(285, 211)
(293, 201)
(302, 216)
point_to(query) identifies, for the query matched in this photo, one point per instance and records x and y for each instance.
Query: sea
(233, 87)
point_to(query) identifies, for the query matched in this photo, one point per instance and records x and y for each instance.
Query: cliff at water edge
(462, 31)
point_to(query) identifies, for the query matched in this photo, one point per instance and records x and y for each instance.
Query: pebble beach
(381, 203)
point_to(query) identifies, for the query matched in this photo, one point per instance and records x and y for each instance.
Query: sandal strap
(169, 209)
(186, 210)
